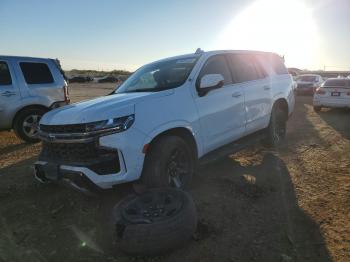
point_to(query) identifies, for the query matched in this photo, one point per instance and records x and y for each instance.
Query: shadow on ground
(13, 148)
(250, 213)
(338, 118)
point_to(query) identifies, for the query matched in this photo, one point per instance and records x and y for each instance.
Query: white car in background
(334, 92)
(307, 84)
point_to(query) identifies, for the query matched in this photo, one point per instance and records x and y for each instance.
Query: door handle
(236, 94)
(266, 87)
(8, 93)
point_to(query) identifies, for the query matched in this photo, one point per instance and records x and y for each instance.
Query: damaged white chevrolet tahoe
(164, 117)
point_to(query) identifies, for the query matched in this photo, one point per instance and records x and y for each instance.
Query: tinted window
(307, 78)
(245, 68)
(5, 76)
(335, 83)
(36, 73)
(259, 68)
(217, 65)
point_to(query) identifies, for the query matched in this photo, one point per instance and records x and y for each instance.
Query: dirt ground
(287, 204)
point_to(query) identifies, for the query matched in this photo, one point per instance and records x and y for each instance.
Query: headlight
(111, 125)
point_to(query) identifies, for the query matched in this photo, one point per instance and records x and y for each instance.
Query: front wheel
(276, 131)
(170, 162)
(26, 124)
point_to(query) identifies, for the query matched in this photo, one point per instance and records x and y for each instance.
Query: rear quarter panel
(282, 87)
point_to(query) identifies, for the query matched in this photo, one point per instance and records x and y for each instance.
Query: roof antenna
(199, 51)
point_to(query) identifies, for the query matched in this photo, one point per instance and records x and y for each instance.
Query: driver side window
(217, 65)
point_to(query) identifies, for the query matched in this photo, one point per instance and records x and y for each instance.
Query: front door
(221, 111)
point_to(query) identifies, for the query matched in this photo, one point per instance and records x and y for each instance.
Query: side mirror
(210, 82)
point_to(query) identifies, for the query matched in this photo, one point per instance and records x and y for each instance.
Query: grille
(71, 152)
(58, 129)
(100, 160)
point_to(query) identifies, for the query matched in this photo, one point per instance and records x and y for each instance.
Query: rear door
(221, 111)
(257, 90)
(41, 79)
(10, 97)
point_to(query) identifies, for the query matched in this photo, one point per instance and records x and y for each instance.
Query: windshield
(159, 76)
(307, 78)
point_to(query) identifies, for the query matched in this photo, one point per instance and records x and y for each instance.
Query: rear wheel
(276, 131)
(26, 124)
(169, 162)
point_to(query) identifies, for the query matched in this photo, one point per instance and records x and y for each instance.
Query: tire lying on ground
(154, 222)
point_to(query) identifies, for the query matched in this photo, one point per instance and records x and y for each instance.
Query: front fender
(176, 124)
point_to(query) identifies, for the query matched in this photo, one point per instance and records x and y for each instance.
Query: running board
(233, 147)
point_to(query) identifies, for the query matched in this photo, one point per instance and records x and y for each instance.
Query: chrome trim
(77, 137)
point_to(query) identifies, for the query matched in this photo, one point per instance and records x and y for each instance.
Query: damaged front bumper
(81, 165)
(47, 173)
(89, 159)
(91, 173)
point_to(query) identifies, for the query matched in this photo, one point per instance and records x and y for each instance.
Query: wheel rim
(31, 125)
(152, 207)
(178, 168)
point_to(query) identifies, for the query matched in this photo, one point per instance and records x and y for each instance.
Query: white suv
(164, 117)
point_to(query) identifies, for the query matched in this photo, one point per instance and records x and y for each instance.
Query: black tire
(317, 108)
(19, 123)
(165, 232)
(276, 131)
(164, 167)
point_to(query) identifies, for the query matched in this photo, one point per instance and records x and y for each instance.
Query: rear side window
(278, 65)
(245, 68)
(217, 65)
(36, 73)
(5, 76)
(335, 83)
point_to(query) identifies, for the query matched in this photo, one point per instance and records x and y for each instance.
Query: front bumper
(104, 161)
(82, 176)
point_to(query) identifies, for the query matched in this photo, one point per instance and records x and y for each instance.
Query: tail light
(320, 91)
(348, 93)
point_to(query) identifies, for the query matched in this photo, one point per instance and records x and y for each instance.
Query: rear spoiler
(58, 64)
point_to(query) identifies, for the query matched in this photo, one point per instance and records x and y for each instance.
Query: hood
(97, 109)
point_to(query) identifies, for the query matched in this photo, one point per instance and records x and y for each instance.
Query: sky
(125, 34)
